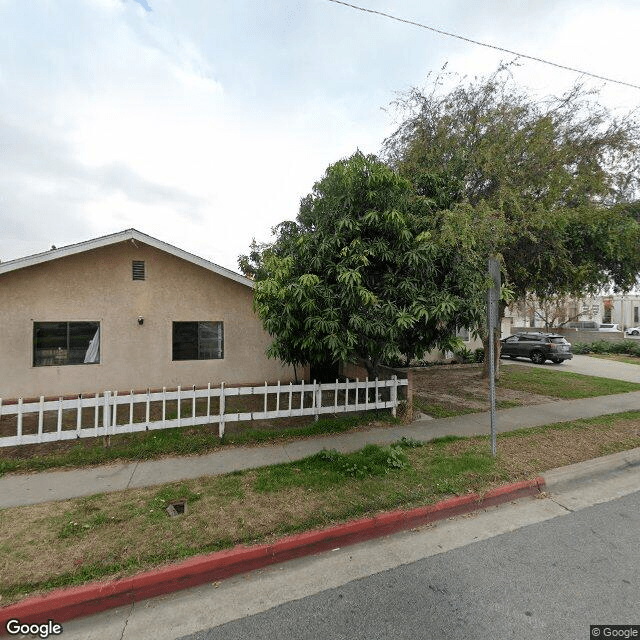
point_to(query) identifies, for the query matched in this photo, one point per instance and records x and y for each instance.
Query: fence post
(221, 412)
(313, 402)
(79, 416)
(106, 418)
(394, 395)
(318, 401)
(265, 396)
(59, 427)
(409, 415)
(114, 418)
(19, 427)
(40, 418)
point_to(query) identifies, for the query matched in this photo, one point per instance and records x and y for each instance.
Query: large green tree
(557, 175)
(368, 271)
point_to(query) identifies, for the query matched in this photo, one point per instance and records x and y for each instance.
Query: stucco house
(126, 311)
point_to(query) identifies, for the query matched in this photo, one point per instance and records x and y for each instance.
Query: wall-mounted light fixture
(140, 320)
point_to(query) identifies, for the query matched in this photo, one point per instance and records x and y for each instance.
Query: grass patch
(117, 534)
(561, 384)
(437, 410)
(174, 442)
(617, 357)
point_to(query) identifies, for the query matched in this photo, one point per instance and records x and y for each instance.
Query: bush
(600, 346)
(623, 347)
(581, 348)
(478, 355)
(463, 354)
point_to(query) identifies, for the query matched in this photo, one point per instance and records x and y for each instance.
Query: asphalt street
(546, 580)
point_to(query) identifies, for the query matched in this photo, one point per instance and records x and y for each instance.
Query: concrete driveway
(588, 366)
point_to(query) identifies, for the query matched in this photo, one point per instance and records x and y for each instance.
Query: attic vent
(138, 270)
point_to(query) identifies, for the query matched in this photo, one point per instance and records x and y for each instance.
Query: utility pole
(493, 298)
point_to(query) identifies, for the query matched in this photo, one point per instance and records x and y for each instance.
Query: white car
(609, 327)
(633, 331)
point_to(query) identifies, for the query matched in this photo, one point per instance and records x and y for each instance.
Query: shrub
(464, 354)
(581, 348)
(600, 346)
(478, 355)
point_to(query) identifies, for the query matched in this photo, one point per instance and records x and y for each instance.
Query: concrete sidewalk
(33, 488)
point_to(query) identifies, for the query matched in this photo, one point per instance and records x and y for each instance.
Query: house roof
(121, 236)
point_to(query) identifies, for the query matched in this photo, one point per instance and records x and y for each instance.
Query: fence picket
(114, 418)
(109, 401)
(221, 411)
(19, 426)
(40, 418)
(59, 425)
(79, 416)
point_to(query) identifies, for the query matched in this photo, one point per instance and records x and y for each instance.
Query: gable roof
(121, 236)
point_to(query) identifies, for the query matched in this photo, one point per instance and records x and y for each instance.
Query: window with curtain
(198, 341)
(65, 343)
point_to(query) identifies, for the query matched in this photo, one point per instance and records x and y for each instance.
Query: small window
(64, 343)
(138, 270)
(198, 341)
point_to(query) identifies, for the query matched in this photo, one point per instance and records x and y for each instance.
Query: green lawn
(121, 533)
(561, 384)
(175, 442)
(618, 357)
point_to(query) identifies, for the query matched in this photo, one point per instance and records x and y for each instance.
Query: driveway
(589, 366)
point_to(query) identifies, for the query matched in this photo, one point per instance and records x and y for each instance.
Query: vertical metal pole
(492, 392)
(493, 296)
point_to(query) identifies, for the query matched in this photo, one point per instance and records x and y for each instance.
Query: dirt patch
(461, 387)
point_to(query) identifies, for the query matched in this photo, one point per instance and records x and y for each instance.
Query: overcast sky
(203, 122)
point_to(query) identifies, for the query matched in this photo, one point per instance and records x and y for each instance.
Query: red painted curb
(65, 604)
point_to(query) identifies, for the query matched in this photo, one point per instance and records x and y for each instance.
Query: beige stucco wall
(97, 285)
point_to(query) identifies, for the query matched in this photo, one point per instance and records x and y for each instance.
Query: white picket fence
(110, 415)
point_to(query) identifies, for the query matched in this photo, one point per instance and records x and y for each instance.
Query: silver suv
(537, 346)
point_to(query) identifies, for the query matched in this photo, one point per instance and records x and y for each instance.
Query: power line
(489, 46)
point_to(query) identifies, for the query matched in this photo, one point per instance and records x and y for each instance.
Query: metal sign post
(493, 296)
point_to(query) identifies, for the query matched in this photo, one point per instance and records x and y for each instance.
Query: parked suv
(537, 346)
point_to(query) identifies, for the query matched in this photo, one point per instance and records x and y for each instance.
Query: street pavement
(533, 568)
(545, 581)
(32, 488)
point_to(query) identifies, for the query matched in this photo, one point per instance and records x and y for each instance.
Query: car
(609, 327)
(633, 331)
(584, 325)
(537, 346)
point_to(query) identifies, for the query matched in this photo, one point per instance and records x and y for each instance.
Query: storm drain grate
(177, 508)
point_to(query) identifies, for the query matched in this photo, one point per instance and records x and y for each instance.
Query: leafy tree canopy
(368, 270)
(559, 176)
